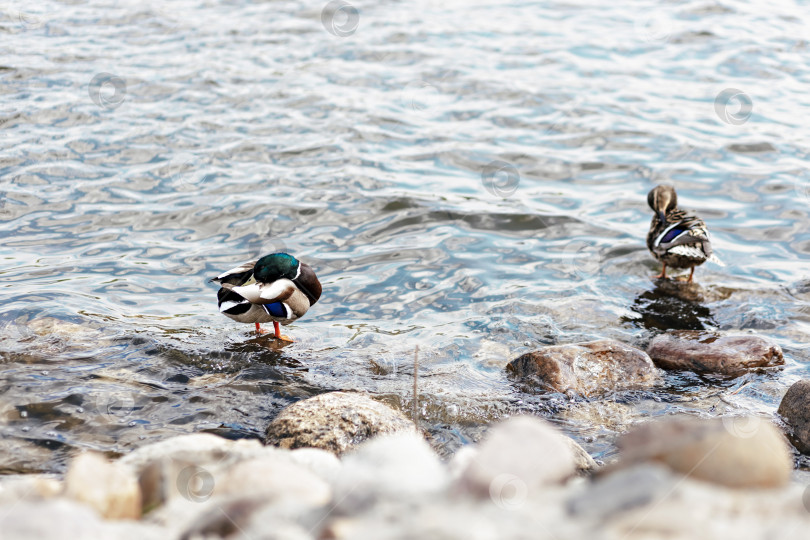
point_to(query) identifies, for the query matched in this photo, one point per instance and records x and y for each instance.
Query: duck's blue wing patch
(672, 234)
(276, 309)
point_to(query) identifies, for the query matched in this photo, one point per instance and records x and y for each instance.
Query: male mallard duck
(277, 287)
(676, 238)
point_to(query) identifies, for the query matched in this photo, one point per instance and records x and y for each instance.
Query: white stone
(324, 464)
(277, 478)
(110, 489)
(399, 466)
(516, 459)
(62, 519)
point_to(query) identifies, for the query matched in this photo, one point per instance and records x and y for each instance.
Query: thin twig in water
(415, 413)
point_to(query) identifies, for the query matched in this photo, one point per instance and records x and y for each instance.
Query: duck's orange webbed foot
(279, 336)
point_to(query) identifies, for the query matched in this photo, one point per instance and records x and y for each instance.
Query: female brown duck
(677, 239)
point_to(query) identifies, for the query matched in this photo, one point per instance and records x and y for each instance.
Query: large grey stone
(336, 421)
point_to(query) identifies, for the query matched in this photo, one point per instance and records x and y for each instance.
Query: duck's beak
(662, 217)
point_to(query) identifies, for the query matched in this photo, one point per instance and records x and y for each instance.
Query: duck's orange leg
(278, 333)
(259, 329)
(663, 274)
(691, 274)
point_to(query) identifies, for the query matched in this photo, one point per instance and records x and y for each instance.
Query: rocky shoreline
(344, 466)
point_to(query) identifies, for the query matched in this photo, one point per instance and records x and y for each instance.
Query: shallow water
(470, 178)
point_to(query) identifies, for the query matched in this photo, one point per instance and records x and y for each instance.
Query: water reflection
(672, 305)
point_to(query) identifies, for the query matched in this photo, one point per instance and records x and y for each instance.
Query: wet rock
(585, 368)
(275, 478)
(522, 454)
(336, 421)
(708, 352)
(795, 409)
(109, 488)
(738, 452)
(637, 486)
(398, 466)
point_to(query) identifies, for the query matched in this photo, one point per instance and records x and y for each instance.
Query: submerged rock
(109, 488)
(336, 421)
(710, 353)
(795, 409)
(585, 368)
(741, 452)
(516, 459)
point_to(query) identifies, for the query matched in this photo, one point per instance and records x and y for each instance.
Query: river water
(469, 177)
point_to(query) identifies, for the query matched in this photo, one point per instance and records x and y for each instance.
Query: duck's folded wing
(236, 276)
(256, 293)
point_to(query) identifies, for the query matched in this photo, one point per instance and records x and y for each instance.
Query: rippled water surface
(467, 177)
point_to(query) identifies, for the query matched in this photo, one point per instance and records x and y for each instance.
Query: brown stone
(707, 352)
(738, 452)
(795, 409)
(585, 368)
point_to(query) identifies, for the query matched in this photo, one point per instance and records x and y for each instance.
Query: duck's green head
(276, 266)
